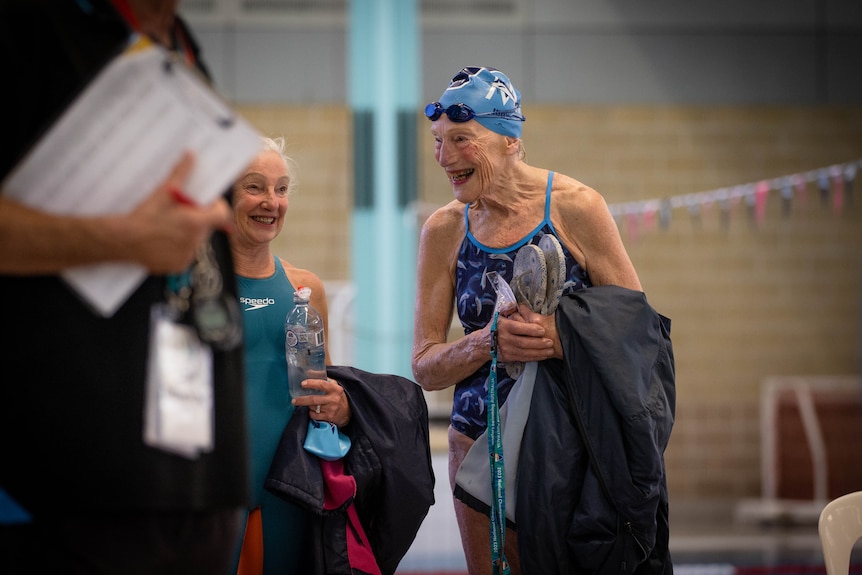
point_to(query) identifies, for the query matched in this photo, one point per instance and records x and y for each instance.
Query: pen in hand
(184, 200)
(178, 196)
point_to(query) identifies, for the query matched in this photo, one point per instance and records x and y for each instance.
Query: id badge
(178, 408)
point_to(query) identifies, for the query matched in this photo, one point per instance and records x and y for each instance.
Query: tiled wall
(748, 299)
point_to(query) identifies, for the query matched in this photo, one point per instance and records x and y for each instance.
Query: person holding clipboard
(122, 433)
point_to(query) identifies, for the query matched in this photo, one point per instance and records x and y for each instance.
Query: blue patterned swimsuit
(476, 298)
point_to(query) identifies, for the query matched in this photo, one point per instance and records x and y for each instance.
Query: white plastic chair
(840, 526)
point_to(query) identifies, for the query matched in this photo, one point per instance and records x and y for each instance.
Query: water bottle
(305, 347)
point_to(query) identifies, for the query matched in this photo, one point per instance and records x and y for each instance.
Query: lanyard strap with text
(495, 451)
(179, 33)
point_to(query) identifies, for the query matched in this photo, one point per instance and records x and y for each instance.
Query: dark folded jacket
(592, 492)
(389, 458)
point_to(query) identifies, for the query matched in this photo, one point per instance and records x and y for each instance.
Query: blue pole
(383, 87)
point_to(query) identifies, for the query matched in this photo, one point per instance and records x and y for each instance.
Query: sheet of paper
(118, 141)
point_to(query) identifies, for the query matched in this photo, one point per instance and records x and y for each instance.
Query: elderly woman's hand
(527, 336)
(332, 407)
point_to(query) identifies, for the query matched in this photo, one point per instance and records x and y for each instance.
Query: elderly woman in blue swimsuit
(501, 204)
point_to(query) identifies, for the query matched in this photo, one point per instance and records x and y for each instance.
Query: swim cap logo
(506, 91)
(464, 75)
(489, 75)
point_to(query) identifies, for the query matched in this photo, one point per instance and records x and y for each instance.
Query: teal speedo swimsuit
(265, 303)
(475, 304)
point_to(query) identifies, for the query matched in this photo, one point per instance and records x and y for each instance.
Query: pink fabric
(760, 193)
(340, 488)
(837, 189)
(801, 189)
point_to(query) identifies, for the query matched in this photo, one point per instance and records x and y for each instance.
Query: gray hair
(277, 145)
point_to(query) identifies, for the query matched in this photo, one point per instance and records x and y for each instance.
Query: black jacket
(389, 458)
(592, 492)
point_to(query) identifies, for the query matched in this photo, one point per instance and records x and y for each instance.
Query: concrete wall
(561, 51)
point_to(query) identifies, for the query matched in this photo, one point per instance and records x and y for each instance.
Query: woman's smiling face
(260, 198)
(469, 153)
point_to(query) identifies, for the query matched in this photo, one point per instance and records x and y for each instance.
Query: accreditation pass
(178, 411)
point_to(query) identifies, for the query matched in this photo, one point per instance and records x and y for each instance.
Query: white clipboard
(126, 130)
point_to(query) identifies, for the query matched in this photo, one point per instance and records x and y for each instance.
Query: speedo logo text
(255, 303)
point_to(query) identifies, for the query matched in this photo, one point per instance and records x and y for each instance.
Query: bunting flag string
(834, 182)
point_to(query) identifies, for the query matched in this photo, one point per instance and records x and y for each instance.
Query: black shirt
(72, 383)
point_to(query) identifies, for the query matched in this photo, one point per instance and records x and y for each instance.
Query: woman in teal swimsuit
(501, 203)
(266, 284)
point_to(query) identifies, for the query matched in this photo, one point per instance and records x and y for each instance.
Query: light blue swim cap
(491, 96)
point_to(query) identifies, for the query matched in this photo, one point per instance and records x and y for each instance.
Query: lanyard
(126, 12)
(178, 32)
(495, 452)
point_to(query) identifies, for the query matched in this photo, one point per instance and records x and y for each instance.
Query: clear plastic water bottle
(305, 346)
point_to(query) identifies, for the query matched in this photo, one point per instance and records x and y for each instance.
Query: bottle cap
(302, 293)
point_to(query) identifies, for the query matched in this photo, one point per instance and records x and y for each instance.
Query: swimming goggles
(463, 113)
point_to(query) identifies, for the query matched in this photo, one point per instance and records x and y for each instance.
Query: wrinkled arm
(589, 223)
(437, 363)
